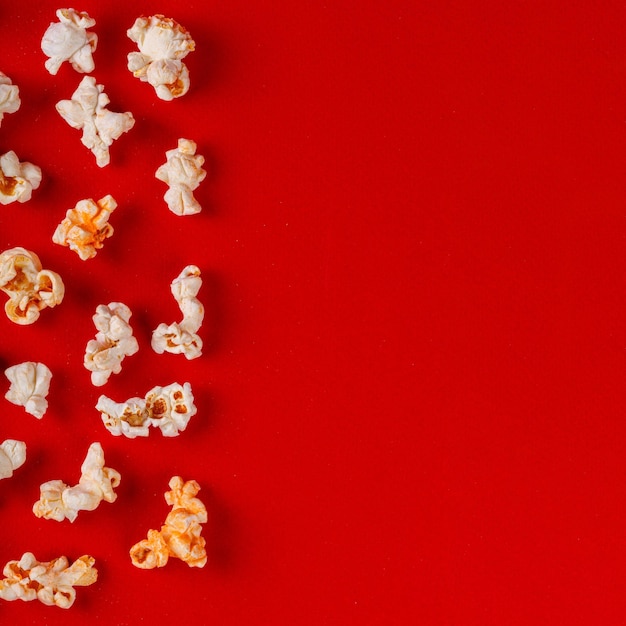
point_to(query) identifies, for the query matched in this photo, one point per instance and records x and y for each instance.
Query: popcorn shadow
(210, 63)
(212, 296)
(220, 534)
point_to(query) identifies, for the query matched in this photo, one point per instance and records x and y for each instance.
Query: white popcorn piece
(9, 96)
(87, 111)
(29, 287)
(86, 226)
(183, 173)
(183, 338)
(168, 408)
(17, 179)
(30, 383)
(52, 582)
(162, 43)
(114, 341)
(58, 501)
(68, 40)
(12, 456)
(180, 536)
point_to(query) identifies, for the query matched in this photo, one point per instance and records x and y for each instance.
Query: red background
(413, 247)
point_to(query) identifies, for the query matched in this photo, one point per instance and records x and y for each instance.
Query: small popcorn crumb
(162, 43)
(30, 383)
(68, 40)
(52, 582)
(58, 501)
(87, 111)
(180, 535)
(86, 226)
(183, 173)
(183, 338)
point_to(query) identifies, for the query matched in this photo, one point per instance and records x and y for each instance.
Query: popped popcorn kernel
(29, 287)
(180, 536)
(12, 456)
(58, 501)
(30, 383)
(87, 111)
(162, 43)
(68, 40)
(52, 582)
(183, 173)
(9, 96)
(168, 408)
(86, 226)
(17, 180)
(113, 342)
(182, 337)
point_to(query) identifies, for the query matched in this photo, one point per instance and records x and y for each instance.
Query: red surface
(413, 246)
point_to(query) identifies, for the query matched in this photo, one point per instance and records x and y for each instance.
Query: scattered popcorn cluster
(162, 45)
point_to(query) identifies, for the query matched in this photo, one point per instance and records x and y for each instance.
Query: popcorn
(68, 40)
(86, 226)
(87, 111)
(30, 288)
(30, 383)
(183, 173)
(114, 341)
(17, 180)
(162, 43)
(168, 408)
(57, 501)
(180, 536)
(183, 338)
(9, 96)
(12, 456)
(52, 583)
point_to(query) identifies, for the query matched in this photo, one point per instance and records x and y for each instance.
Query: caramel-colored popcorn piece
(30, 383)
(9, 96)
(182, 337)
(17, 179)
(86, 226)
(87, 111)
(183, 173)
(113, 342)
(12, 456)
(29, 287)
(52, 582)
(168, 408)
(57, 501)
(162, 43)
(180, 536)
(68, 40)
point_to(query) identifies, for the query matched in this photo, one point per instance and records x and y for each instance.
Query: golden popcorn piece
(113, 342)
(183, 173)
(29, 287)
(169, 408)
(87, 111)
(58, 501)
(86, 226)
(9, 96)
(12, 456)
(182, 337)
(180, 536)
(162, 43)
(30, 383)
(52, 582)
(68, 40)
(17, 179)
